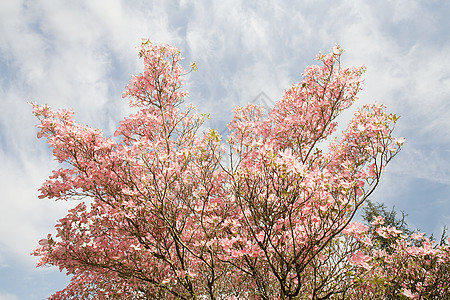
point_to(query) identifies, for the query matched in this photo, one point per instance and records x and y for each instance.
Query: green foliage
(375, 209)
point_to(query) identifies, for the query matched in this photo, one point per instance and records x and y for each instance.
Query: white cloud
(405, 10)
(28, 218)
(80, 54)
(7, 296)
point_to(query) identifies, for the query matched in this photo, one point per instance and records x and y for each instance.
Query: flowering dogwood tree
(165, 218)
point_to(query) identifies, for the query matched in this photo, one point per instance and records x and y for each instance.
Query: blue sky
(80, 54)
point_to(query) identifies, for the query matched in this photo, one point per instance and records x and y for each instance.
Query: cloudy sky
(80, 54)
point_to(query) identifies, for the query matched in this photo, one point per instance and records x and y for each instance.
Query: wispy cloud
(81, 54)
(7, 296)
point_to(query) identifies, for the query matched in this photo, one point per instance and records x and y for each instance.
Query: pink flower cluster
(166, 218)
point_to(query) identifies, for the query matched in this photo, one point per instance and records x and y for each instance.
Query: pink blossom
(357, 228)
(417, 236)
(167, 217)
(360, 259)
(409, 294)
(377, 220)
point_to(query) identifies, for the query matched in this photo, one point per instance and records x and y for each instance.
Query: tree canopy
(166, 218)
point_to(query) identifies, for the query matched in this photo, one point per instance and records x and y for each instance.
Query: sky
(81, 54)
